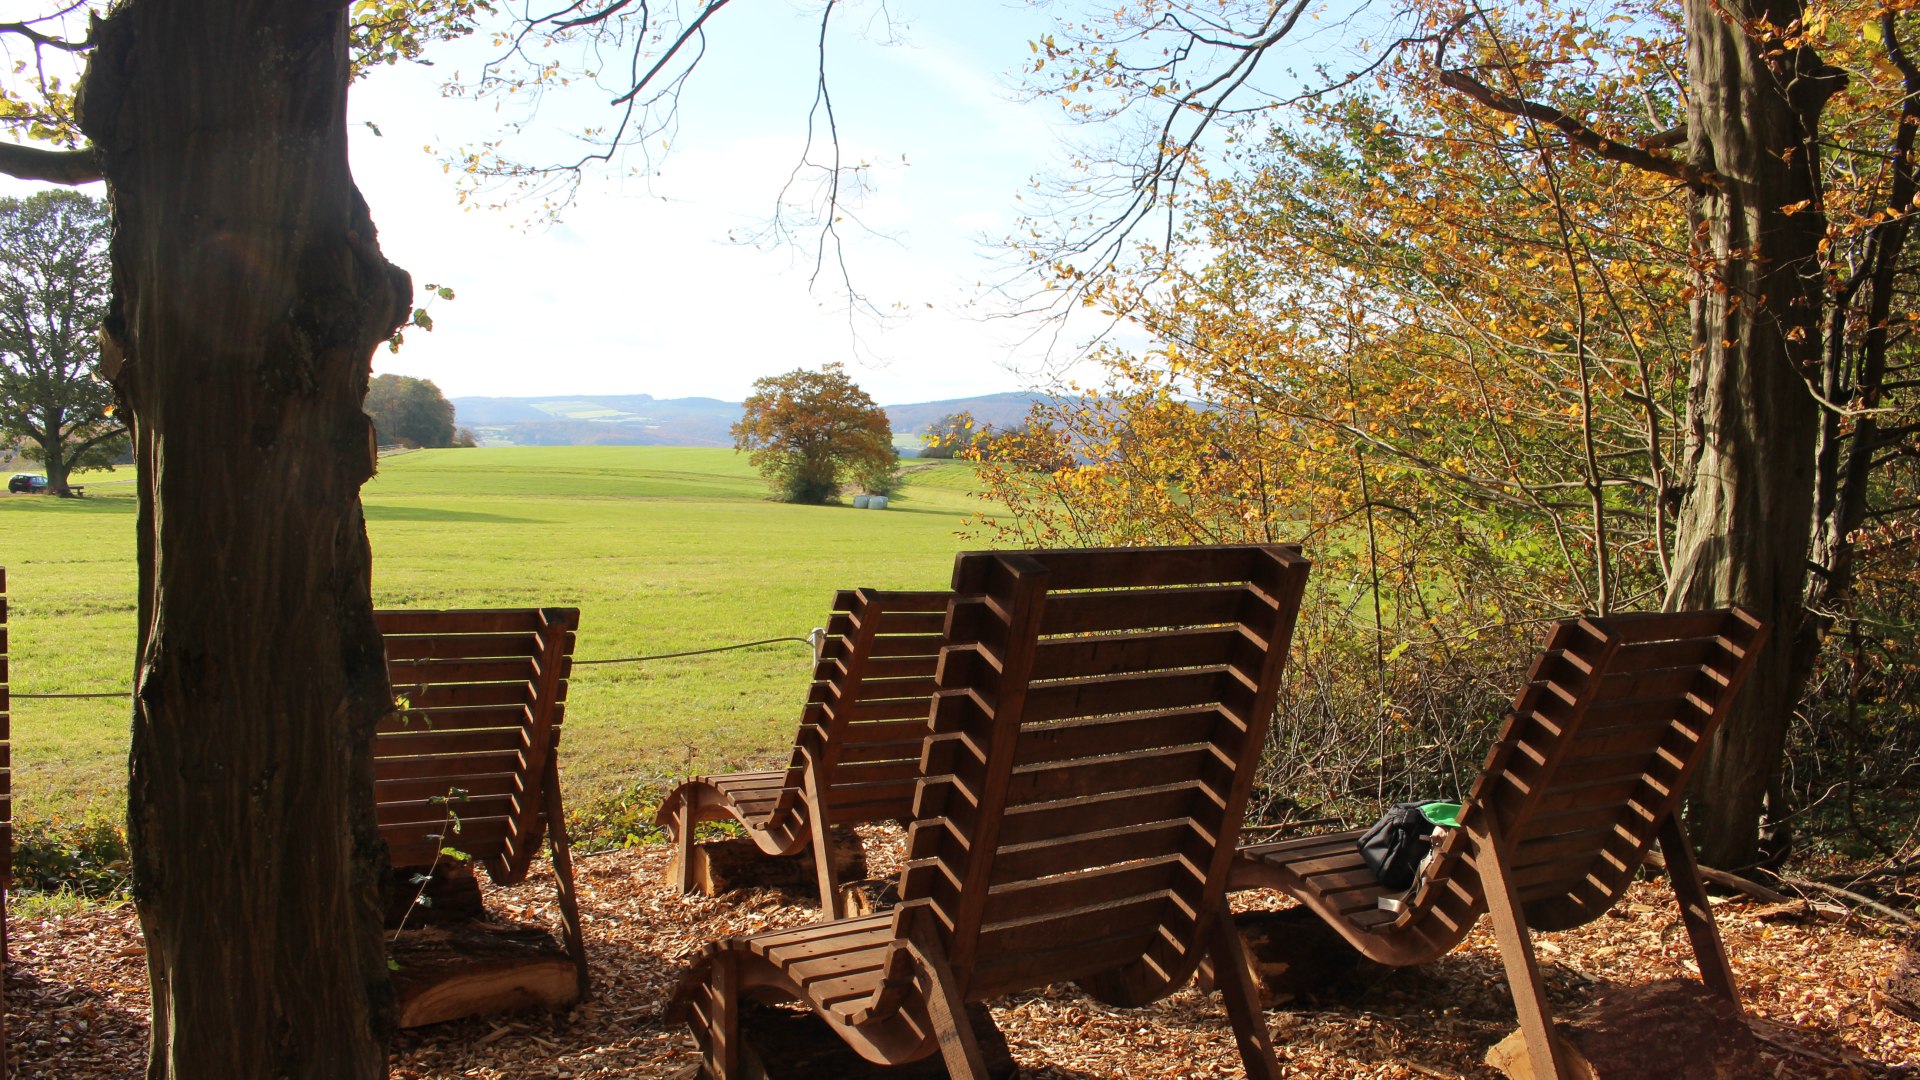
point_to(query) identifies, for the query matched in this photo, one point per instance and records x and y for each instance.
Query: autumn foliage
(1448, 347)
(809, 432)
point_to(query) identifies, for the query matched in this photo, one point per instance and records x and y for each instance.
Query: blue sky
(639, 290)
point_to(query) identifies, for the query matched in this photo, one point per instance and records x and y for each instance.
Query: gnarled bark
(248, 296)
(1747, 473)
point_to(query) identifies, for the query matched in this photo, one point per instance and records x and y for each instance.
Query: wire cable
(696, 652)
(812, 641)
(122, 693)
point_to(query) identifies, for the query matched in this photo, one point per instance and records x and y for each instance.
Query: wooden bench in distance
(467, 762)
(857, 752)
(1586, 774)
(1098, 719)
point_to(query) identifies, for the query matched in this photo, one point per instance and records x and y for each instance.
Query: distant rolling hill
(644, 420)
(995, 410)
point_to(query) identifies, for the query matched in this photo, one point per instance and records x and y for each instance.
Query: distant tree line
(413, 412)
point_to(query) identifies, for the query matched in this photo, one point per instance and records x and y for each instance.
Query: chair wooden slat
(1072, 657)
(403, 673)
(906, 645)
(453, 626)
(448, 767)
(1199, 765)
(452, 741)
(478, 785)
(505, 716)
(460, 646)
(1107, 695)
(1106, 735)
(1080, 814)
(1083, 851)
(1132, 609)
(433, 809)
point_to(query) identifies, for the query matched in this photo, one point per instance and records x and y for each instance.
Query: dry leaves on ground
(77, 995)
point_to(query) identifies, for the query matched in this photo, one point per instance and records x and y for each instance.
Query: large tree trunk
(55, 466)
(248, 297)
(1747, 474)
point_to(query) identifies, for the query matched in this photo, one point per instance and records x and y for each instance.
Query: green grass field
(663, 549)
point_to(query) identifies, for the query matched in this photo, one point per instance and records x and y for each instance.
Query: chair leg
(958, 1046)
(563, 880)
(1491, 858)
(822, 847)
(683, 844)
(723, 1035)
(1695, 912)
(1228, 957)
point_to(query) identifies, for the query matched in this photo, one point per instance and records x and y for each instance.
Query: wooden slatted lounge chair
(1097, 723)
(6, 816)
(481, 697)
(1587, 772)
(857, 753)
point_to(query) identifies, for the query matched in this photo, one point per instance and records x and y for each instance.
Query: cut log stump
(474, 968)
(1671, 1030)
(450, 894)
(720, 866)
(1295, 956)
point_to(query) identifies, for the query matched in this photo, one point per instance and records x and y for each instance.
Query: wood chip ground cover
(76, 995)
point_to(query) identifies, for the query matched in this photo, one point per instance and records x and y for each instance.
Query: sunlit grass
(663, 549)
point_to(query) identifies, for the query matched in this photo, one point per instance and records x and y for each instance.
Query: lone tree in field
(808, 430)
(53, 295)
(409, 411)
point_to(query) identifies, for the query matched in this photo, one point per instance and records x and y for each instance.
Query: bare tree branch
(691, 32)
(71, 167)
(1579, 134)
(25, 29)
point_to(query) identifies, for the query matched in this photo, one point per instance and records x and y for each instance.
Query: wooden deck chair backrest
(1099, 718)
(480, 696)
(866, 713)
(1594, 755)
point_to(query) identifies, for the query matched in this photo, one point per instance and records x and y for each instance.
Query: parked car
(31, 483)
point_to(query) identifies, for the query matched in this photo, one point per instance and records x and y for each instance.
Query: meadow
(663, 549)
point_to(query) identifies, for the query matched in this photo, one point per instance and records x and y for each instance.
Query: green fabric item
(1445, 814)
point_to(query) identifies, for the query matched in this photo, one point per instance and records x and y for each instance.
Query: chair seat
(1326, 870)
(836, 964)
(833, 967)
(754, 795)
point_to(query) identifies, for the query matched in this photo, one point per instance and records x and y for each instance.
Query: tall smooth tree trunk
(249, 294)
(1747, 472)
